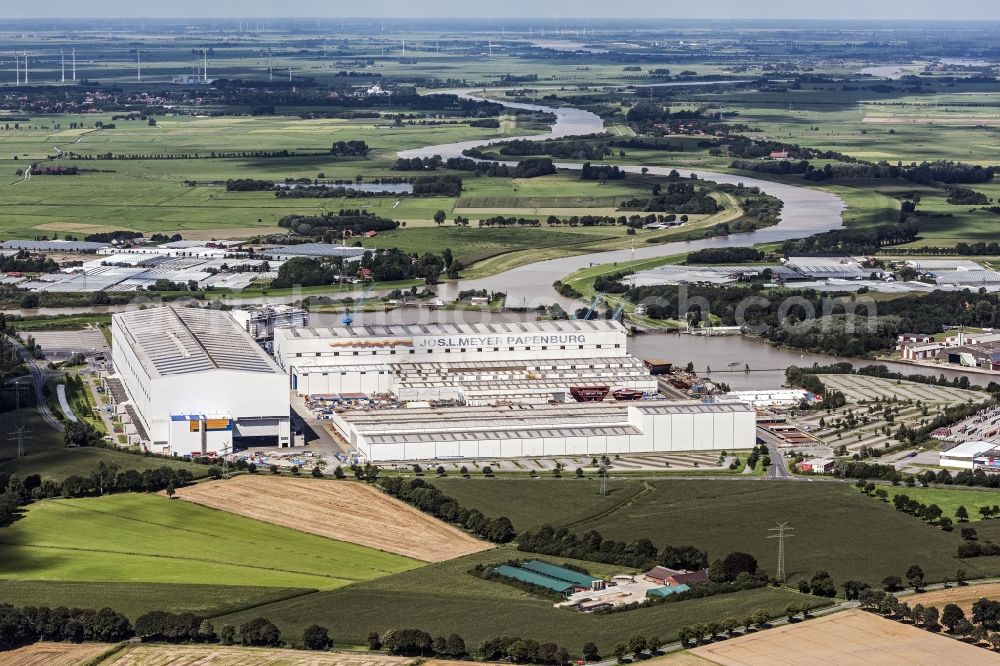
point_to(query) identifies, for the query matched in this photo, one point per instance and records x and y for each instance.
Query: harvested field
(341, 510)
(963, 597)
(53, 654)
(847, 638)
(203, 655)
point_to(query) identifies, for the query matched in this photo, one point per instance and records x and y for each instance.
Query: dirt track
(850, 638)
(53, 654)
(343, 510)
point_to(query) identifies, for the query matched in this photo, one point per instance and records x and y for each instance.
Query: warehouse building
(476, 364)
(515, 431)
(449, 343)
(965, 456)
(196, 382)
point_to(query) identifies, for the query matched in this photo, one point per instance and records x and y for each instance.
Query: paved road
(779, 466)
(39, 374)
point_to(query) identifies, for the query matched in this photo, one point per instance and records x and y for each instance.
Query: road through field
(806, 212)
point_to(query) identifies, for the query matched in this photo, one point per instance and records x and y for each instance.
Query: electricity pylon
(782, 530)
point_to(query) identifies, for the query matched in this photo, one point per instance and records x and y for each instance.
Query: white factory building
(515, 431)
(544, 388)
(475, 363)
(196, 382)
(970, 455)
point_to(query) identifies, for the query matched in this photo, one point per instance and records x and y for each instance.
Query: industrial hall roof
(177, 341)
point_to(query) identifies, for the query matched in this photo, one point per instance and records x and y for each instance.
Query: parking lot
(60, 345)
(875, 410)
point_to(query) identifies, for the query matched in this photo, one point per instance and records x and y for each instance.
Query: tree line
(104, 479)
(677, 197)
(432, 501)
(529, 168)
(601, 172)
(26, 262)
(983, 627)
(724, 255)
(639, 554)
(30, 624)
(349, 149)
(569, 149)
(354, 221)
(852, 241)
(820, 322)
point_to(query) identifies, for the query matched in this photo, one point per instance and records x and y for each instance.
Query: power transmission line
(782, 530)
(19, 436)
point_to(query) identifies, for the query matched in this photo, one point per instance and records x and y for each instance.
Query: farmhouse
(665, 576)
(195, 382)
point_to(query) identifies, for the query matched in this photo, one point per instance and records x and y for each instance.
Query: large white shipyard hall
(472, 363)
(196, 382)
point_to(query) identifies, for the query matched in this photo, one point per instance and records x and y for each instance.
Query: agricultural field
(196, 655)
(963, 596)
(850, 638)
(443, 598)
(54, 654)
(151, 539)
(132, 599)
(836, 528)
(565, 504)
(949, 499)
(344, 510)
(150, 195)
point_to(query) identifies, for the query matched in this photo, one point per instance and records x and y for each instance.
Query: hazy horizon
(568, 9)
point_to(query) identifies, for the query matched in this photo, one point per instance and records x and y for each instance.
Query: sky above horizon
(713, 9)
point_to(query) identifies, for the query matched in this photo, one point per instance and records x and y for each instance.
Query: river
(806, 212)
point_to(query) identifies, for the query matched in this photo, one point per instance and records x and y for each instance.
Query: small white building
(920, 352)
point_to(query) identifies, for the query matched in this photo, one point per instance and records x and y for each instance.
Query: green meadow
(151, 539)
